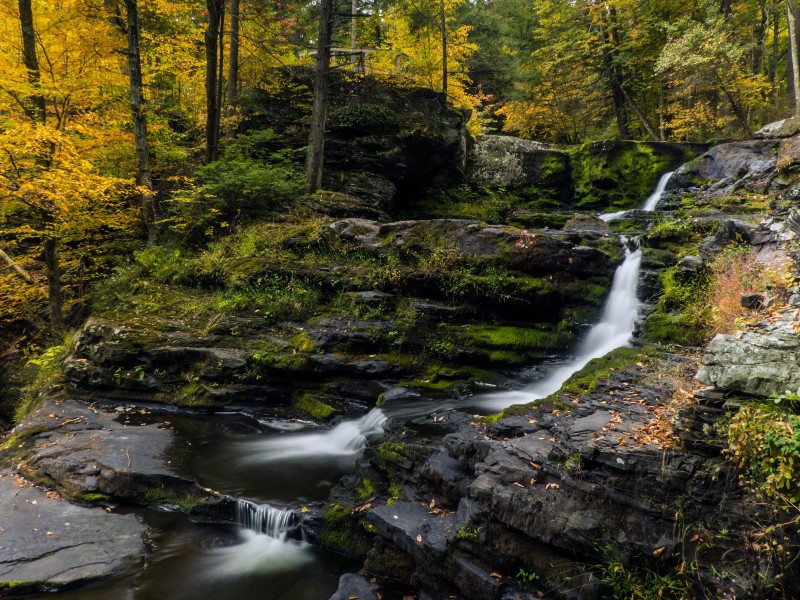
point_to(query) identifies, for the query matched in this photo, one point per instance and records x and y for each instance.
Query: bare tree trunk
(220, 78)
(215, 10)
(443, 28)
(319, 111)
(233, 60)
(147, 201)
(773, 67)
(642, 118)
(353, 9)
(791, 15)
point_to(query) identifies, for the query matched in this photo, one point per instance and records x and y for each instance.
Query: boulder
(779, 129)
(532, 169)
(753, 362)
(353, 586)
(789, 153)
(734, 161)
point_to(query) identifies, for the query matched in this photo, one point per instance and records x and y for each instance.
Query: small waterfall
(650, 202)
(266, 519)
(346, 439)
(614, 330)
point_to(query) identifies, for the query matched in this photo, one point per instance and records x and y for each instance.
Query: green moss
(619, 175)
(366, 489)
(522, 339)
(302, 342)
(90, 498)
(538, 220)
(162, 496)
(599, 369)
(440, 378)
(674, 328)
(392, 452)
(341, 532)
(314, 408)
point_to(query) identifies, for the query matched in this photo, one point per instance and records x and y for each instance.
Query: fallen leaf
(659, 551)
(433, 503)
(495, 574)
(552, 486)
(419, 538)
(695, 538)
(518, 484)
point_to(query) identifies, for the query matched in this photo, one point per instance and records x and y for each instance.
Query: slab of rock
(735, 160)
(754, 363)
(779, 129)
(47, 542)
(352, 585)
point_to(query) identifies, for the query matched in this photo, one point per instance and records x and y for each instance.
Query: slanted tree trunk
(319, 111)
(147, 199)
(233, 62)
(215, 10)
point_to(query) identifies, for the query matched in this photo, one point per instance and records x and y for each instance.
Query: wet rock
(46, 542)
(353, 586)
(753, 363)
(789, 154)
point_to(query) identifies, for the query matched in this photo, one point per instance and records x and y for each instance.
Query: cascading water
(614, 330)
(650, 202)
(346, 439)
(263, 518)
(262, 544)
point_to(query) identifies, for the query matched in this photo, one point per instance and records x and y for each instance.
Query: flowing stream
(278, 462)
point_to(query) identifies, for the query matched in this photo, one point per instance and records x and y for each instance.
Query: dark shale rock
(46, 542)
(355, 586)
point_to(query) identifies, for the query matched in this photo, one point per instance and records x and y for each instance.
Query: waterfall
(266, 519)
(650, 202)
(347, 439)
(614, 330)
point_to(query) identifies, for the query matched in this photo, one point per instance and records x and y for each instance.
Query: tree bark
(233, 61)
(215, 10)
(147, 200)
(443, 28)
(791, 15)
(38, 111)
(319, 111)
(55, 303)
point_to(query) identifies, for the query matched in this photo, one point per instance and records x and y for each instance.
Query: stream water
(650, 202)
(274, 463)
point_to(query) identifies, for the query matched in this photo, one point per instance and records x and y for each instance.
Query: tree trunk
(220, 78)
(443, 28)
(319, 111)
(147, 200)
(17, 269)
(54, 287)
(215, 10)
(791, 15)
(38, 112)
(233, 61)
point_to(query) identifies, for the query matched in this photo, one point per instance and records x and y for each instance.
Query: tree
(319, 110)
(213, 35)
(143, 179)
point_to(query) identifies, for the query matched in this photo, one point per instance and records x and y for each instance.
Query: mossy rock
(619, 175)
(672, 328)
(342, 530)
(314, 408)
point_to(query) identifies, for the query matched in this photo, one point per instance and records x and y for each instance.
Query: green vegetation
(49, 367)
(636, 582)
(342, 533)
(314, 408)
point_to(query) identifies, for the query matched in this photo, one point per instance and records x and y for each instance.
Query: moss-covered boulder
(618, 175)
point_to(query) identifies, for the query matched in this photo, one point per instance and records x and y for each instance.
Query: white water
(263, 518)
(614, 330)
(650, 202)
(255, 552)
(346, 439)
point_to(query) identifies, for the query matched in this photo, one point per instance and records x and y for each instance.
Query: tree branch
(19, 270)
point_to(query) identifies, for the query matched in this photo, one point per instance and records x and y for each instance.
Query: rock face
(753, 363)
(382, 141)
(47, 543)
(532, 169)
(727, 164)
(548, 491)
